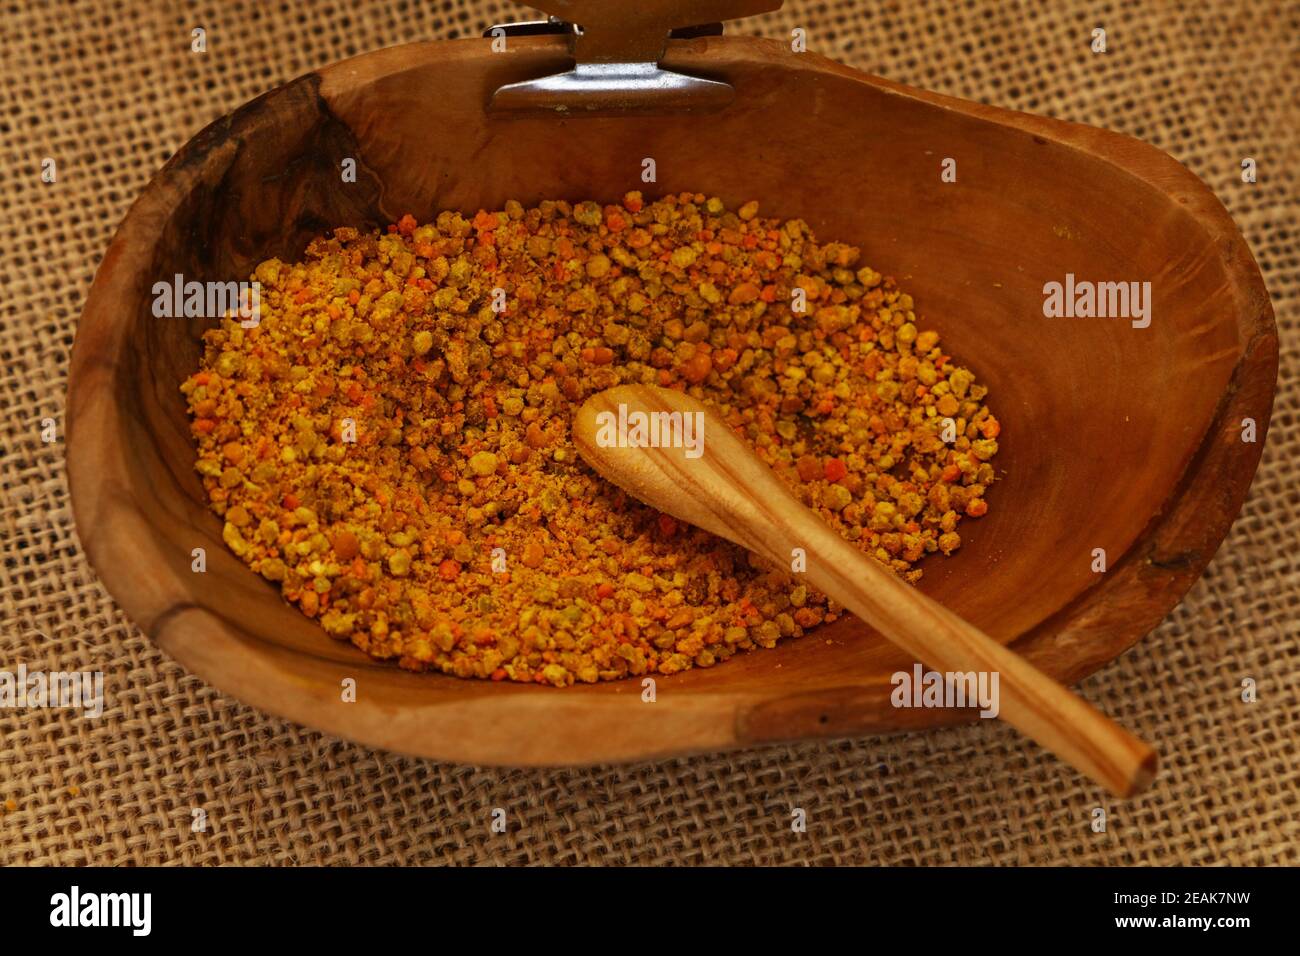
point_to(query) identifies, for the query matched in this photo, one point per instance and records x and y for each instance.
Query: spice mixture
(390, 445)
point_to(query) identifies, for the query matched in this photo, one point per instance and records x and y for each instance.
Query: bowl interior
(1100, 419)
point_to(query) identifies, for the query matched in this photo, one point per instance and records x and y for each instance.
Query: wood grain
(723, 487)
(1112, 437)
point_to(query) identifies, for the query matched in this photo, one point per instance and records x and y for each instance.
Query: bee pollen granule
(390, 443)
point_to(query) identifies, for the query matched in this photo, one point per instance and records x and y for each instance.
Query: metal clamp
(616, 49)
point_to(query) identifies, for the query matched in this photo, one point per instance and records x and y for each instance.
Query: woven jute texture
(109, 89)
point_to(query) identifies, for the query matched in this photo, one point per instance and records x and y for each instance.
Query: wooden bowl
(1115, 437)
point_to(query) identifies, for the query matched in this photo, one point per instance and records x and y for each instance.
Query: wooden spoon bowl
(1114, 437)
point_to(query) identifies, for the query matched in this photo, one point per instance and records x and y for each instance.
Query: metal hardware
(616, 49)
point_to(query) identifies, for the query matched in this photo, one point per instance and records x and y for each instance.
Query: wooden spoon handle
(1029, 700)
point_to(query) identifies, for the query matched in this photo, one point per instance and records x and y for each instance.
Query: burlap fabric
(110, 88)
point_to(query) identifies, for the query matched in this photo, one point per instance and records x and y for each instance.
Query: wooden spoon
(722, 487)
